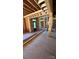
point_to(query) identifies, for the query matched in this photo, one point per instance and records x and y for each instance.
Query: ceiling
(30, 6)
(52, 5)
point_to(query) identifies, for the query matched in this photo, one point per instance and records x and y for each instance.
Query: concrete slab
(43, 47)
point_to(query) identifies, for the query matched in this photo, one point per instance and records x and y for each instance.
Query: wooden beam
(32, 4)
(25, 12)
(28, 6)
(43, 7)
(33, 13)
(37, 4)
(27, 9)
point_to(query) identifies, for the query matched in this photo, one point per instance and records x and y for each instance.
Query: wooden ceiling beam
(43, 7)
(26, 11)
(37, 4)
(33, 13)
(29, 7)
(32, 4)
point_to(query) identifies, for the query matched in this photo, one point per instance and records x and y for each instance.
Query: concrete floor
(43, 47)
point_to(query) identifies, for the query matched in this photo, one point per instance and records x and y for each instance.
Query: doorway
(34, 25)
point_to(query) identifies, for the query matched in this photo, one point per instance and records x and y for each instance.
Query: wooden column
(24, 26)
(28, 27)
(31, 22)
(50, 12)
(37, 22)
